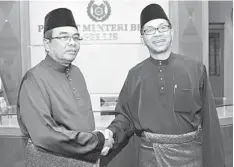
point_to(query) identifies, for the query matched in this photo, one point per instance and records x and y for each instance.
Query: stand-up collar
(161, 62)
(49, 62)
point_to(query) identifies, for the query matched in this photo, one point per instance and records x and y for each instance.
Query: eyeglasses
(75, 38)
(152, 30)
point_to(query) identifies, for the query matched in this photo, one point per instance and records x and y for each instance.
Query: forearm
(122, 129)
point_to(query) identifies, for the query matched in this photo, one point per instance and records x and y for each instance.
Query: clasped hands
(109, 141)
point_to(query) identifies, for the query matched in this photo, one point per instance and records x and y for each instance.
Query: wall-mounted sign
(108, 103)
(99, 21)
(99, 12)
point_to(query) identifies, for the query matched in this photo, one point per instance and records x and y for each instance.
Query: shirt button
(162, 88)
(78, 98)
(160, 62)
(160, 70)
(70, 79)
(161, 79)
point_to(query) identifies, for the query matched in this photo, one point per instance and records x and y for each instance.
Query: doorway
(216, 58)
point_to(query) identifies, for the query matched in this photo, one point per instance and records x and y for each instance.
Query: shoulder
(138, 67)
(77, 73)
(76, 70)
(35, 73)
(188, 62)
(185, 59)
(192, 66)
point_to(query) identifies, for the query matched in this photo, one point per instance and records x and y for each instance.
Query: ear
(46, 44)
(172, 33)
(142, 40)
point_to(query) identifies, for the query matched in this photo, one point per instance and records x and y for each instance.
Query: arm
(122, 126)
(213, 153)
(35, 113)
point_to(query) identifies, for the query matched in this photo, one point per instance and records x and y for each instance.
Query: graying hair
(48, 34)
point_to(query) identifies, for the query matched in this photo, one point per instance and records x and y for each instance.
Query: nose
(72, 42)
(157, 33)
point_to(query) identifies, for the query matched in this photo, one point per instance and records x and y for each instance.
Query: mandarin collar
(161, 62)
(48, 61)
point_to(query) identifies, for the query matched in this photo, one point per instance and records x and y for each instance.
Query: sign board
(108, 103)
(99, 21)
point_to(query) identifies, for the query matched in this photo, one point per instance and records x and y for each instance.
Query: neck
(161, 56)
(63, 63)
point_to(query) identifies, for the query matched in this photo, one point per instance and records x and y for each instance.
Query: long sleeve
(122, 126)
(46, 133)
(213, 153)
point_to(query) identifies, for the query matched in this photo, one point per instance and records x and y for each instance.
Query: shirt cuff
(101, 140)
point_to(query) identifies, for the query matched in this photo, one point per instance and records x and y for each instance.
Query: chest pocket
(183, 99)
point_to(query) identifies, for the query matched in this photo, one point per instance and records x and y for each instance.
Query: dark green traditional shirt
(170, 96)
(54, 110)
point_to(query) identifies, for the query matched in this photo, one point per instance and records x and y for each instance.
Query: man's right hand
(109, 141)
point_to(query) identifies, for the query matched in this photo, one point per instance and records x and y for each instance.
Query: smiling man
(54, 108)
(165, 100)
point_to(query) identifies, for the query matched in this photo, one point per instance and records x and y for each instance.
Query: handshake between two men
(109, 141)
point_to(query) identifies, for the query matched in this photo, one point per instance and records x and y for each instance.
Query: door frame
(217, 82)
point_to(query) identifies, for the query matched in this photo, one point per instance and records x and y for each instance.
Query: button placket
(162, 88)
(67, 73)
(160, 69)
(75, 93)
(161, 81)
(67, 70)
(78, 97)
(70, 84)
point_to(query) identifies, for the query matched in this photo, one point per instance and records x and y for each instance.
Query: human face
(64, 44)
(156, 41)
